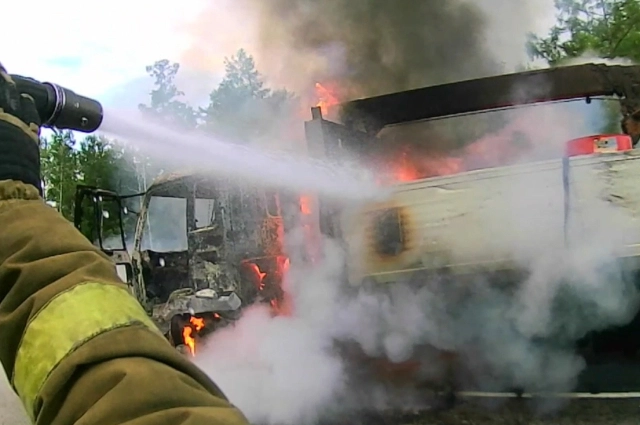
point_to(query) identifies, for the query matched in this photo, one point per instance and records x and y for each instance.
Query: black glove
(19, 135)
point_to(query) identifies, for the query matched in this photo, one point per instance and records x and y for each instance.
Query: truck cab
(203, 249)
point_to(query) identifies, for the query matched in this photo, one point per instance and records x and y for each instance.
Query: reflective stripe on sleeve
(67, 321)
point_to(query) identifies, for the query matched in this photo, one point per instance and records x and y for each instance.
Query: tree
(242, 109)
(59, 170)
(607, 28)
(164, 97)
(103, 163)
(94, 161)
(165, 107)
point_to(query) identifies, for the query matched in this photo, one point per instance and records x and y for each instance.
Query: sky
(101, 50)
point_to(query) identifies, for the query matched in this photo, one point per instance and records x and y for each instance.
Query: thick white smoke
(290, 369)
(287, 370)
(283, 370)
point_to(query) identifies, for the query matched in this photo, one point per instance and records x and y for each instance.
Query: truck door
(98, 215)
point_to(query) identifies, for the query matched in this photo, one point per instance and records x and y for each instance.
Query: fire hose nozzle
(60, 107)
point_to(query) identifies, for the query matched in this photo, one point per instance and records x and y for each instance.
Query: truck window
(273, 204)
(205, 212)
(166, 225)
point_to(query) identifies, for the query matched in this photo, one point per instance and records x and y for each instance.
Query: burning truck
(232, 254)
(224, 252)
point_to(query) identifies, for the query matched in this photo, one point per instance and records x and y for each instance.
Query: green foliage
(612, 113)
(59, 171)
(94, 161)
(241, 108)
(164, 97)
(607, 28)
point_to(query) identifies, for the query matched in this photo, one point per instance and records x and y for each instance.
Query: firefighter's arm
(77, 347)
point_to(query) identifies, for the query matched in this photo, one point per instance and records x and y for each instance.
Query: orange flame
(310, 229)
(326, 98)
(305, 205)
(504, 147)
(189, 341)
(195, 323)
(261, 275)
(277, 299)
(408, 170)
(285, 306)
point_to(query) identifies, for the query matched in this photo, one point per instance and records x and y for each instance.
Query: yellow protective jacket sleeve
(78, 349)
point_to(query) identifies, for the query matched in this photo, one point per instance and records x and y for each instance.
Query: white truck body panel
(504, 217)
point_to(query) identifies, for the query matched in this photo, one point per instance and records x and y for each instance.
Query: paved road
(517, 412)
(586, 412)
(11, 412)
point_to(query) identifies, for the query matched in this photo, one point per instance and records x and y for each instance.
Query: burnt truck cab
(203, 249)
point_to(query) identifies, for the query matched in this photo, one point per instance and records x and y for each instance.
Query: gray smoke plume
(286, 370)
(381, 46)
(372, 47)
(524, 336)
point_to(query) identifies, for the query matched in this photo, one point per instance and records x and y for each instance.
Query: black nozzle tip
(91, 116)
(75, 112)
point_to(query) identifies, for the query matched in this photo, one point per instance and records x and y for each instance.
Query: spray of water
(207, 155)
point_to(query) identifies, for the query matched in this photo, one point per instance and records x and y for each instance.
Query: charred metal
(502, 91)
(233, 255)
